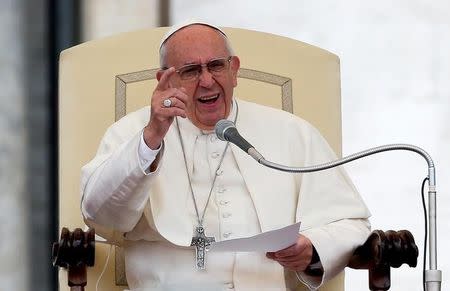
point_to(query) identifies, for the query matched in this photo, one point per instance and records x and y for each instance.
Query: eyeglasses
(215, 67)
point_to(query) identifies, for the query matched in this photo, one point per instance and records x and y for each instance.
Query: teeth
(209, 98)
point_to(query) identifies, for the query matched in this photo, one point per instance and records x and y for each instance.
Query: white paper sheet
(269, 241)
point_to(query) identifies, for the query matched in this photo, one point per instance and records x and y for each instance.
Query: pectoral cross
(201, 242)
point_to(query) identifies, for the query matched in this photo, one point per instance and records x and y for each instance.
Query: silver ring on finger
(167, 103)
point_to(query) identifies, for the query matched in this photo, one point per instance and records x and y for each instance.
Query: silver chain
(200, 220)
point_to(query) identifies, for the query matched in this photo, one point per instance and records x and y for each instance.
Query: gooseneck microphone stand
(226, 130)
(433, 277)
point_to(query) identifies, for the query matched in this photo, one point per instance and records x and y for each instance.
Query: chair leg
(380, 278)
(77, 278)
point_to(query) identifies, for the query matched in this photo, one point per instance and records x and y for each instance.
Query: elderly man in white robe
(161, 179)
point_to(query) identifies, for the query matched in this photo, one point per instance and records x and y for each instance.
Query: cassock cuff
(146, 155)
(313, 274)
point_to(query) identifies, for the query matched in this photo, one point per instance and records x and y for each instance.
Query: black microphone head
(221, 126)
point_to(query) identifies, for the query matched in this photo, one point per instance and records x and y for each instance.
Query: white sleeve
(335, 244)
(115, 184)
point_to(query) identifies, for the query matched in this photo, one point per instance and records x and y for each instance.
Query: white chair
(102, 80)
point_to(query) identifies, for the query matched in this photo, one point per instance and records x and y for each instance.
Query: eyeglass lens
(193, 71)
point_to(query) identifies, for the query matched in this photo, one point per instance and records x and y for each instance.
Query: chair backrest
(102, 80)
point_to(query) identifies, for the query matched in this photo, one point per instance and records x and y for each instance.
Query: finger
(270, 255)
(291, 259)
(175, 103)
(159, 98)
(163, 82)
(172, 112)
(174, 95)
(287, 252)
(161, 110)
(295, 256)
(298, 248)
(174, 92)
(181, 94)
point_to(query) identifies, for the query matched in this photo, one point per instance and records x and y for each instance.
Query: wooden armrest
(75, 251)
(381, 251)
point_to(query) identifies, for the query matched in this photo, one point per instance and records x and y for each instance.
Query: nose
(206, 78)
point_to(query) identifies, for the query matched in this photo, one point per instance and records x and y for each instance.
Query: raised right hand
(162, 117)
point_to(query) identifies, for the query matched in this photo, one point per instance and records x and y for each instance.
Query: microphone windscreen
(221, 126)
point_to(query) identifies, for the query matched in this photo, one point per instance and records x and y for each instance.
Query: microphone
(227, 131)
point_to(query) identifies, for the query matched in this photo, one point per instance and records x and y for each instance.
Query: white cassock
(153, 216)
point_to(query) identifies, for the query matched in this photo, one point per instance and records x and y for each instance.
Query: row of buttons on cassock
(221, 190)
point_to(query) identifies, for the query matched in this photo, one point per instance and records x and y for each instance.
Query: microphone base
(433, 279)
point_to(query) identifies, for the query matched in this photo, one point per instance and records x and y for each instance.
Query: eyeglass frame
(202, 65)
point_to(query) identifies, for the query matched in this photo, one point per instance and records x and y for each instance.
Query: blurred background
(395, 71)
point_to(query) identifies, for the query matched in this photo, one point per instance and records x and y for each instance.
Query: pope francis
(165, 187)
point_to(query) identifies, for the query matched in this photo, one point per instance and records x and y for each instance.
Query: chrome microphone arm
(433, 277)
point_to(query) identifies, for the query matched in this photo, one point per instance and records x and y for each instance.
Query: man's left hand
(296, 257)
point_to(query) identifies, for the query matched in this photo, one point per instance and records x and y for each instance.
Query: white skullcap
(184, 24)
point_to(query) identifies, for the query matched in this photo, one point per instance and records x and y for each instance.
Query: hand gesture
(162, 116)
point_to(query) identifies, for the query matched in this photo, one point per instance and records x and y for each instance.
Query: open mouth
(209, 99)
